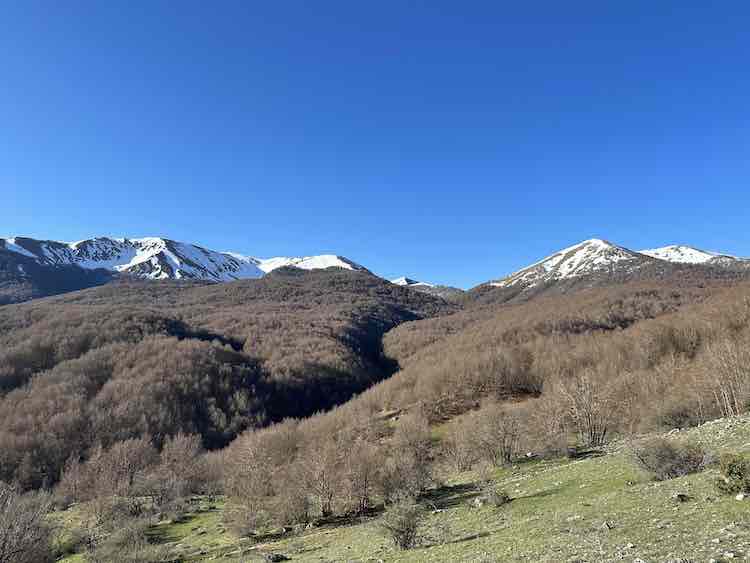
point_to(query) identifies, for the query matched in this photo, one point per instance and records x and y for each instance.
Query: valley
(296, 412)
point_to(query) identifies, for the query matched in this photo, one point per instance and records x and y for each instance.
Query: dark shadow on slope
(450, 496)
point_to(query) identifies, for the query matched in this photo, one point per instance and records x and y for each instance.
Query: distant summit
(597, 262)
(408, 282)
(446, 292)
(682, 254)
(161, 258)
(590, 257)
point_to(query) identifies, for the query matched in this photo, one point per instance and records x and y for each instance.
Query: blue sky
(448, 141)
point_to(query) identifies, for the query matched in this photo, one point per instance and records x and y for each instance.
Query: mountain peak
(685, 254)
(161, 258)
(588, 257)
(409, 282)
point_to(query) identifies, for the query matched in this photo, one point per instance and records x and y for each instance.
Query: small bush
(663, 459)
(735, 474)
(127, 544)
(497, 497)
(678, 413)
(401, 522)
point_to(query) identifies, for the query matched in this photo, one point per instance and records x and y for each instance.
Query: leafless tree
(496, 434)
(589, 405)
(729, 365)
(321, 467)
(24, 534)
(361, 466)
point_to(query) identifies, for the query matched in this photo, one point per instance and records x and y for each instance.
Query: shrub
(735, 474)
(24, 536)
(497, 496)
(401, 522)
(663, 459)
(678, 413)
(247, 518)
(127, 544)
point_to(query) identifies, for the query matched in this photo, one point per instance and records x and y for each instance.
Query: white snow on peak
(408, 282)
(308, 263)
(161, 258)
(587, 257)
(686, 254)
(10, 244)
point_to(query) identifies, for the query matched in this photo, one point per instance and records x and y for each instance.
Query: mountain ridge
(685, 254)
(597, 262)
(35, 265)
(162, 258)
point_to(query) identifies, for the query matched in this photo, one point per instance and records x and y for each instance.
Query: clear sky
(449, 141)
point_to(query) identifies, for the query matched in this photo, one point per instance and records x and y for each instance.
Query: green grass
(596, 509)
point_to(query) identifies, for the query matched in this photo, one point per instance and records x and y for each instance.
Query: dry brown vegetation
(131, 383)
(545, 376)
(24, 533)
(152, 360)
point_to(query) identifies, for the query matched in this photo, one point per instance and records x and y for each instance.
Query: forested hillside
(131, 398)
(154, 359)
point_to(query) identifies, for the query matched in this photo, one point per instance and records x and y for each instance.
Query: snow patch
(408, 282)
(160, 258)
(10, 244)
(308, 263)
(686, 255)
(584, 258)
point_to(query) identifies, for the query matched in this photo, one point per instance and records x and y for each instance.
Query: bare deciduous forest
(306, 397)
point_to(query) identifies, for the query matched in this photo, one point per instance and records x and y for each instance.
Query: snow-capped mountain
(597, 262)
(160, 258)
(446, 292)
(307, 263)
(682, 254)
(408, 282)
(593, 256)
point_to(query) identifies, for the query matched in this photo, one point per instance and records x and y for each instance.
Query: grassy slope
(558, 513)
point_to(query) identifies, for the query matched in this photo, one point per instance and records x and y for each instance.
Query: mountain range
(32, 267)
(597, 262)
(161, 258)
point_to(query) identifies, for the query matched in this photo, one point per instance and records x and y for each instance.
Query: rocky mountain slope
(23, 278)
(597, 263)
(31, 268)
(161, 258)
(590, 257)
